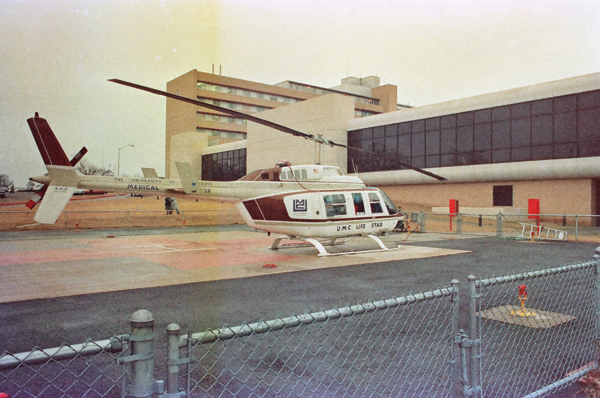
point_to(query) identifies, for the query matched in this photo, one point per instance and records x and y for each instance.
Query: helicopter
(310, 203)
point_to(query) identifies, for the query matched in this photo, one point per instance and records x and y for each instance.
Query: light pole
(119, 164)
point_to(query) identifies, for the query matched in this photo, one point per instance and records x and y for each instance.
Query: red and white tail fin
(46, 141)
(37, 197)
(64, 180)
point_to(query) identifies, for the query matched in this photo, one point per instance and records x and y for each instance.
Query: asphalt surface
(200, 306)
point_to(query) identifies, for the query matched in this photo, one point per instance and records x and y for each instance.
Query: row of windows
(224, 166)
(238, 106)
(246, 93)
(222, 133)
(553, 128)
(248, 108)
(222, 119)
(335, 204)
(361, 113)
(275, 97)
(324, 91)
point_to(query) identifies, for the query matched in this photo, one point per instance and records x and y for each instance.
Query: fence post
(422, 221)
(461, 339)
(596, 258)
(499, 225)
(475, 357)
(576, 228)
(456, 333)
(173, 361)
(142, 354)
(458, 223)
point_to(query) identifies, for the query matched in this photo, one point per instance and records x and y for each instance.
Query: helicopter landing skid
(322, 252)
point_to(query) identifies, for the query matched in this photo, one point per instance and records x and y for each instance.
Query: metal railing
(526, 334)
(575, 227)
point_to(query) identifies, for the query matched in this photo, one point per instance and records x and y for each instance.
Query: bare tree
(5, 180)
(90, 169)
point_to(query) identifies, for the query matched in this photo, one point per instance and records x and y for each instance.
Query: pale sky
(56, 57)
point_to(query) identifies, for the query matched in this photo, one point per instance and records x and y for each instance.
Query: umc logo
(300, 205)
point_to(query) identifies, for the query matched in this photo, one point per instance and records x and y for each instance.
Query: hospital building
(497, 150)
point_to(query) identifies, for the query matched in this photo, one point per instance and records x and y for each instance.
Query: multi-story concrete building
(192, 131)
(497, 150)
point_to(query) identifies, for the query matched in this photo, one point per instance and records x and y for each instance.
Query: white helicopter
(309, 203)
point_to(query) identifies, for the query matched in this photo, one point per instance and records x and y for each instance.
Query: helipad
(47, 266)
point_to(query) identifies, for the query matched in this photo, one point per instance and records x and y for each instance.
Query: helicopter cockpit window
(392, 209)
(375, 203)
(335, 205)
(359, 203)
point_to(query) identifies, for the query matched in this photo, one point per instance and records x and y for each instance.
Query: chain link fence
(91, 369)
(526, 335)
(397, 347)
(534, 328)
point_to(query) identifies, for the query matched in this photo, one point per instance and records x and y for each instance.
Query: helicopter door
(375, 202)
(359, 203)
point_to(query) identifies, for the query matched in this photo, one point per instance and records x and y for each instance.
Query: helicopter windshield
(392, 209)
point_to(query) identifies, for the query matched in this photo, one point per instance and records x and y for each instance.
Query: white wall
(328, 115)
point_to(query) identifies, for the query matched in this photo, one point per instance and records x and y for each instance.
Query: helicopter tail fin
(188, 177)
(50, 149)
(63, 183)
(63, 178)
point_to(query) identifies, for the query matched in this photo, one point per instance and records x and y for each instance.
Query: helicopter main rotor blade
(267, 123)
(220, 109)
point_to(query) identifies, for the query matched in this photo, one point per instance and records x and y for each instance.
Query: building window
(552, 128)
(224, 166)
(503, 195)
(223, 133)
